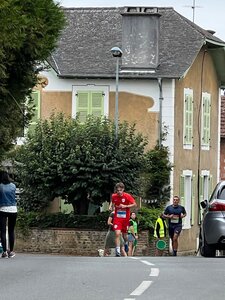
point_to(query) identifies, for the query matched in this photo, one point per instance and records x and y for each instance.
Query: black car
(212, 230)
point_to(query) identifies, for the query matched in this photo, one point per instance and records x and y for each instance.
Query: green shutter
(97, 108)
(37, 111)
(188, 117)
(193, 192)
(206, 119)
(89, 103)
(82, 105)
(181, 192)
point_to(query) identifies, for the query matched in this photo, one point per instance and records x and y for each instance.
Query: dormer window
(140, 38)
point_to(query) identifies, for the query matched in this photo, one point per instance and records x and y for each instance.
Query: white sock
(118, 249)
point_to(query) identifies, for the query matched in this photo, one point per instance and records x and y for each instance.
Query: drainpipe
(160, 112)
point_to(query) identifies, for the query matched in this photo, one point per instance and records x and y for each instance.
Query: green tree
(155, 179)
(78, 162)
(29, 32)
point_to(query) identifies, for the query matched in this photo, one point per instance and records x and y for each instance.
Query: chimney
(211, 31)
(140, 38)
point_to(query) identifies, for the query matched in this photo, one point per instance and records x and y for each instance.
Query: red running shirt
(126, 199)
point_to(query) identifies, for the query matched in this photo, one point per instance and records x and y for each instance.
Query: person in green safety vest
(132, 234)
(160, 234)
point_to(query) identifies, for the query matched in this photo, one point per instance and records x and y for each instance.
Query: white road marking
(129, 299)
(147, 263)
(141, 288)
(133, 257)
(154, 272)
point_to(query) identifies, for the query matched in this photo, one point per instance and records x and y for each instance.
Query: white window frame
(187, 201)
(205, 190)
(205, 97)
(21, 140)
(90, 87)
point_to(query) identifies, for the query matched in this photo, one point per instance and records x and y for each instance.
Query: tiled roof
(84, 47)
(222, 122)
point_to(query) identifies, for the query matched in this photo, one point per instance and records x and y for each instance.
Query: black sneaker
(11, 254)
(118, 254)
(4, 255)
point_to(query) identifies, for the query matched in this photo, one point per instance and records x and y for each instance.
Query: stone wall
(72, 242)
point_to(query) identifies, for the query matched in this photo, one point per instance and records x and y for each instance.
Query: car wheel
(207, 250)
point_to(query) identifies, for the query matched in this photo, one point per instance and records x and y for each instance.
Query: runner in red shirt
(122, 202)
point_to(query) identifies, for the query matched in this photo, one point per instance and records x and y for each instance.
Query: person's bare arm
(128, 205)
(109, 222)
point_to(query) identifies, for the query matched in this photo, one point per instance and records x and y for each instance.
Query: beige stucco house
(171, 72)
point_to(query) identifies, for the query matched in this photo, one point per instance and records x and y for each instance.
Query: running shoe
(4, 255)
(118, 254)
(11, 254)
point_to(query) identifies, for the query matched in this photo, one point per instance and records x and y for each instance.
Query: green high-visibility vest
(135, 225)
(161, 228)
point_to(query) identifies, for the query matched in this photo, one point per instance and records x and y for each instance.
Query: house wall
(138, 101)
(194, 159)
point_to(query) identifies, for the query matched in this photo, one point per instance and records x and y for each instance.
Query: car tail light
(217, 206)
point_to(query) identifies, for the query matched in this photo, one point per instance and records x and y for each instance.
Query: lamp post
(117, 52)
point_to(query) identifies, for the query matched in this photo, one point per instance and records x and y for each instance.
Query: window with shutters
(205, 189)
(37, 112)
(187, 197)
(188, 119)
(89, 100)
(205, 129)
(89, 103)
(36, 103)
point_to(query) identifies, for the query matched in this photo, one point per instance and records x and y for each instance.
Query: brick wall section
(73, 242)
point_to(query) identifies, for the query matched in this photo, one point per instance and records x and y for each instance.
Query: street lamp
(117, 52)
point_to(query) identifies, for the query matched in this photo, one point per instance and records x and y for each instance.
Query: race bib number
(175, 220)
(121, 214)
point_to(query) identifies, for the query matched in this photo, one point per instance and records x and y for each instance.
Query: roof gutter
(160, 111)
(215, 43)
(57, 68)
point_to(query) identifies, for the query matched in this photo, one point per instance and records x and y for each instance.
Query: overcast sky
(209, 14)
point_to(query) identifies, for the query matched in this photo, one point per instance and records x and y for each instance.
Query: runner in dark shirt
(175, 213)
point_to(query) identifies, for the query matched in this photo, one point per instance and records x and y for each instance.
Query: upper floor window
(36, 116)
(90, 100)
(205, 129)
(188, 119)
(89, 103)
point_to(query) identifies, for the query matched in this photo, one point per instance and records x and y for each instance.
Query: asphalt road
(51, 277)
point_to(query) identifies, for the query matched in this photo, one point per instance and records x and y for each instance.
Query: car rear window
(221, 195)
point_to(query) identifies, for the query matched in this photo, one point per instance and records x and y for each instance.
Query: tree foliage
(78, 162)
(156, 176)
(29, 32)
